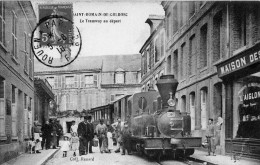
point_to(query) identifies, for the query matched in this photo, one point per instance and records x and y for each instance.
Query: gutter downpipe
(224, 87)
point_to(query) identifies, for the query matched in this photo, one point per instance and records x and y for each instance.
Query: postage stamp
(55, 30)
(56, 41)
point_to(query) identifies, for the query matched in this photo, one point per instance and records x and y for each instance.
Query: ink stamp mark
(56, 41)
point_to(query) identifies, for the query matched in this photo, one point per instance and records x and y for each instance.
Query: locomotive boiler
(158, 127)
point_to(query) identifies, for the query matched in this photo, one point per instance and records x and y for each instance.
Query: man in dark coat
(90, 134)
(82, 133)
(54, 132)
(59, 131)
(46, 135)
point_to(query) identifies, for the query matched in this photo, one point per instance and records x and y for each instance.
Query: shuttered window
(2, 23)
(25, 115)
(14, 36)
(203, 97)
(2, 107)
(14, 110)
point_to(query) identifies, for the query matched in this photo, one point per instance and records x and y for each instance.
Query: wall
(13, 71)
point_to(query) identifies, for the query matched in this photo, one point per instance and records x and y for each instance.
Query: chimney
(154, 21)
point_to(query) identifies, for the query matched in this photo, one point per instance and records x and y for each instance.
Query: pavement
(32, 159)
(54, 156)
(222, 159)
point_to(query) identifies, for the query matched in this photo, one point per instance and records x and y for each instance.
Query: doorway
(68, 124)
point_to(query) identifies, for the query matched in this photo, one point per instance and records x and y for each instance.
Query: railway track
(187, 160)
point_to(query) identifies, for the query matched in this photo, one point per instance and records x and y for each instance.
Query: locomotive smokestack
(167, 86)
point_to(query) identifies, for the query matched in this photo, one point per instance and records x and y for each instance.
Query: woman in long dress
(110, 130)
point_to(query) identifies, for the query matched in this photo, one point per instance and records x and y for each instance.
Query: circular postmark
(56, 41)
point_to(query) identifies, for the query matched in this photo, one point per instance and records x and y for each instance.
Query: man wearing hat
(90, 134)
(59, 131)
(82, 133)
(101, 130)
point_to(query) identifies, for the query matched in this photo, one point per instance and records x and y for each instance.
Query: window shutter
(63, 81)
(76, 81)
(59, 81)
(95, 80)
(55, 82)
(82, 81)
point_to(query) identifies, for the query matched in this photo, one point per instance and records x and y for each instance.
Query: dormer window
(120, 76)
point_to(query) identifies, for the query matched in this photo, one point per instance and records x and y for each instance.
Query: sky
(126, 37)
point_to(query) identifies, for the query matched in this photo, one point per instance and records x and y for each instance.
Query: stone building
(153, 53)
(90, 82)
(200, 36)
(16, 77)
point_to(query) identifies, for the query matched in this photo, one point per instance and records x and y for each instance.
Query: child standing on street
(74, 143)
(66, 146)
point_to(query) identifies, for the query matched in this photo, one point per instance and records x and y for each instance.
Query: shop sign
(249, 94)
(239, 61)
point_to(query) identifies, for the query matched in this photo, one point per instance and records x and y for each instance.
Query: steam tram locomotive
(158, 128)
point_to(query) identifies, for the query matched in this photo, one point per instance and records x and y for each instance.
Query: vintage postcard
(109, 82)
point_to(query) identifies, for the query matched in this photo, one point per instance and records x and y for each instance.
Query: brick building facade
(16, 77)
(153, 53)
(200, 36)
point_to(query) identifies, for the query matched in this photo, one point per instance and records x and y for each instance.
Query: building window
(191, 8)
(169, 26)
(183, 103)
(145, 62)
(192, 55)
(203, 105)
(175, 23)
(183, 16)
(14, 111)
(89, 79)
(217, 28)
(69, 81)
(182, 62)
(120, 78)
(25, 115)
(246, 114)
(25, 53)
(162, 44)
(112, 98)
(175, 63)
(156, 50)
(30, 59)
(192, 110)
(14, 35)
(69, 102)
(51, 81)
(203, 46)
(2, 106)
(148, 59)
(2, 21)
(169, 64)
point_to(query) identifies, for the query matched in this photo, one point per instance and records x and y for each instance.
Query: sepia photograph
(129, 82)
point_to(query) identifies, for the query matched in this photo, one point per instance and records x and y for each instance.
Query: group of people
(84, 135)
(48, 135)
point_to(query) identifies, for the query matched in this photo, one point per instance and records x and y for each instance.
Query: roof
(89, 63)
(152, 17)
